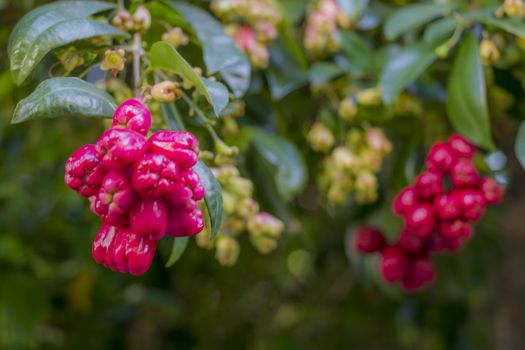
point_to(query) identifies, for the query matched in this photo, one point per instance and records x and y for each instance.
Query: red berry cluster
(142, 188)
(436, 217)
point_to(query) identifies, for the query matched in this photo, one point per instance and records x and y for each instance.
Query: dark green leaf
(213, 196)
(290, 169)
(164, 56)
(402, 69)
(507, 24)
(519, 147)
(64, 97)
(440, 30)
(353, 8)
(357, 50)
(51, 26)
(221, 54)
(410, 17)
(467, 101)
(179, 246)
(322, 72)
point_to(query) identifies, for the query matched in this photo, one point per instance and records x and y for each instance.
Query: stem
(120, 4)
(137, 53)
(201, 114)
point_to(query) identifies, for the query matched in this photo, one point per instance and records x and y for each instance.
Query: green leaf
(403, 68)
(467, 100)
(439, 31)
(221, 54)
(179, 246)
(519, 146)
(64, 97)
(410, 17)
(357, 50)
(353, 8)
(290, 173)
(51, 26)
(164, 56)
(322, 72)
(212, 197)
(507, 24)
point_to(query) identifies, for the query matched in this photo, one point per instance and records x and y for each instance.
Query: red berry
(121, 147)
(368, 239)
(409, 242)
(446, 206)
(132, 253)
(461, 147)
(180, 146)
(192, 181)
(421, 272)
(421, 219)
(132, 114)
(472, 204)
(491, 190)
(440, 158)
(84, 171)
(405, 200)
(453, 229)
(148, 217)
(393, 264)
(155, 175)
(115, 198)
(429, 185)
(103, 243)
(464, 174)
(182, 223)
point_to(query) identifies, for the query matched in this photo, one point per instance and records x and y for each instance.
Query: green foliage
(212, 197)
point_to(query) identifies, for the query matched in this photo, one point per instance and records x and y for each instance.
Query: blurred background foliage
(312, 293)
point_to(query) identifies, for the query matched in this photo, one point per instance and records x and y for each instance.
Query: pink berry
(180, 146)
(133, 115)
(180, 197)
(453, 229)
(103, 243)
(492, 191)
(472, 204)
(84, 171)
(155, 175)
(429, 185)
(192, 181)
(121, 147)
(368, 239)
(440, 158)
(409, 242)
(464, 174)
(148, 217)
(133, 253)
(405, 200)
(421, 219)
(182, 223)
(115, 198)
(421, 272)
(461, 147)
(446, 206)
(393, 264)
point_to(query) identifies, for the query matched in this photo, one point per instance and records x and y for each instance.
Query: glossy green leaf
(410, 17)
(467, 101)
(403, 68)
(322, 72)
(221, 54)
(51, 26)
(65, 97)
(285, 72)
(507, 24)
(178, 248)
(353, 8)
(290, 169)
(439, 31)
(519, 146)
(212, 197)
(164, 56)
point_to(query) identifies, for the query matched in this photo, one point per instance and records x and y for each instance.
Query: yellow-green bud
(489, 52)
(347, 109)
(247, 207)
(514, 8)
(123, 20)
(176, 37)
(166, 91)
(369, 97)
(227, 250)
(345, 159)
(263, 244)
(141, 19)
(320, 137)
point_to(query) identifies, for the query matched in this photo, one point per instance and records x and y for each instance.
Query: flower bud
(489, 52)
(320, 137)
(263, 244)
(227, 250)
(347, 109)
(114, 61)
(247, 207)
(514, 8)
(366, 187)
(265, 224)
(369, 97)
(345, 159)
(123, 20)
(141, 19)
(377, 141)
(176, 37)
(166, 91)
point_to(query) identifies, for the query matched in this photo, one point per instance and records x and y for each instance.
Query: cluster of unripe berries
(321, 35)
(253, 24)
(141, 188)
(352, 166)
(437, 218)
(241, 214)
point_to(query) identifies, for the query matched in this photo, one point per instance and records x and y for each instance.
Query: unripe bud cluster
(139, 21)
(435, 219)
(142, 189)
(354, 165)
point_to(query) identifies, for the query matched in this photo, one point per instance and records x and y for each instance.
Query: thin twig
(137, 53)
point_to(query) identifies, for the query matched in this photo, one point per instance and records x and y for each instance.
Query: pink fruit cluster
(142, 188)
(437, 218)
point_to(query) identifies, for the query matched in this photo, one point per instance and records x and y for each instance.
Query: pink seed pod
(393, 264)
(121, 147)
(103, 243)
(149, 218)
(84, 171)
(492, 191)
(440, 158)
(429, 185)
(461, 147)
(446, 206)
(115, 199)
(134, 115)
(155, 175)
(472, 204)
(132, 253)
(368, 240)
(421, 219)
(405, 200)
(192, 180)
(182, 223)
(180, 146)
(464, 174)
